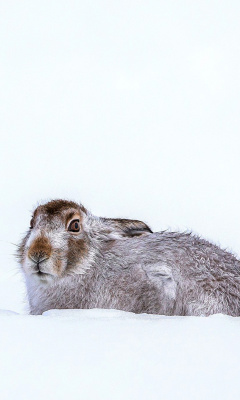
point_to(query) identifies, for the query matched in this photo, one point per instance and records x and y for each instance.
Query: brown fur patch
(54, 207)
(58, 267)
(77, 250)
(41, 246)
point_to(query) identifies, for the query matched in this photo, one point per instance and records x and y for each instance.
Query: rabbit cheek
(21, 252)
(77, 250)
(58, 267)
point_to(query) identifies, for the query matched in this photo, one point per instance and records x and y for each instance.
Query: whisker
(14, 244)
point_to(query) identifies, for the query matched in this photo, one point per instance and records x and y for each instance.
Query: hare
(72, 259)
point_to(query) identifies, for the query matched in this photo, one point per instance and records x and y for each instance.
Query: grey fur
(160, 273)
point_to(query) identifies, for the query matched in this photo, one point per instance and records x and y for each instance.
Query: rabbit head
(64, 237)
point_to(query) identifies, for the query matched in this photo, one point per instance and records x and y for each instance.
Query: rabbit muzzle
(44, 259)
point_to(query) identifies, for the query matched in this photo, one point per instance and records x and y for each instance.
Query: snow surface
(109, 354)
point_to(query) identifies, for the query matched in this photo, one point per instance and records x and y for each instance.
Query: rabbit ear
(127, 227)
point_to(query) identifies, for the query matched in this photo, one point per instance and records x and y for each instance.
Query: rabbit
(73, 259)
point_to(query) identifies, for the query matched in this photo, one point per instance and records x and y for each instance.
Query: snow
(108, 354)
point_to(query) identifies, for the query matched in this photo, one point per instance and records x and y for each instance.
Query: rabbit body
(104, 267)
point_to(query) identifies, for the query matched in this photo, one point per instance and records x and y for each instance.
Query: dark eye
(31, 223)
(74, 226)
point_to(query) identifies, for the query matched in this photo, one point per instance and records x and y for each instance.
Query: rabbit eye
(31, 224)
(74, 226)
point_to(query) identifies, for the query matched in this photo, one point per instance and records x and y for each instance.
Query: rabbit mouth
(42, 277)
(40, 273)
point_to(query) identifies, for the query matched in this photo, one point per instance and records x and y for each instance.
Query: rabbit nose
(40, 250)
(38, 257)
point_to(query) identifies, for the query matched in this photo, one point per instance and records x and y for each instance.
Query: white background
(131, 107)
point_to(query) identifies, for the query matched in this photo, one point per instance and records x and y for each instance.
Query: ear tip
(127, 227)
(143, 227)
(136, 228)
(138, 232)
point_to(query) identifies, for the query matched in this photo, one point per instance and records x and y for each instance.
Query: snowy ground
(108, 354)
